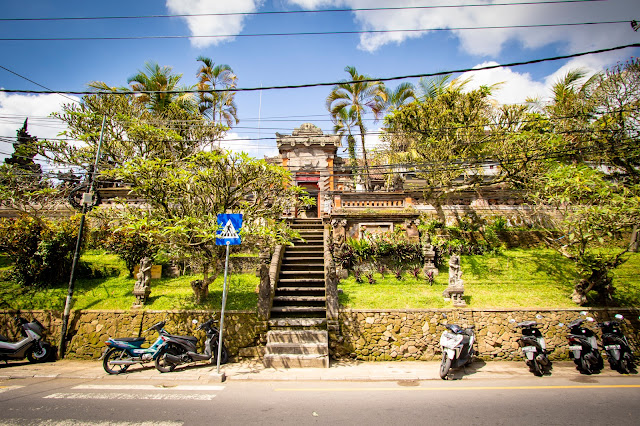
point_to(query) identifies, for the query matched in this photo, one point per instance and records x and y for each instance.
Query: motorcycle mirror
(583, 313)
(444, 315)
(590, 319)
(194, 322)
(538, 316)
(618, 316)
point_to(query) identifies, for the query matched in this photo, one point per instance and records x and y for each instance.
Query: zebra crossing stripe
(8, 388)
(151, 387)
(131, 396)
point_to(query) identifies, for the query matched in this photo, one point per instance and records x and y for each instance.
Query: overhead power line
(292, 12)
(312, 33)
(300, 86)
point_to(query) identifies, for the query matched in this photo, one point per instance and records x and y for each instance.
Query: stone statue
(142, 287)
(455, 290)
(429, 254)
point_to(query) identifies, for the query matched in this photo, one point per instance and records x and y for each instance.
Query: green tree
(358, 96)
(184, 197)
(591, 213)
(217, 102)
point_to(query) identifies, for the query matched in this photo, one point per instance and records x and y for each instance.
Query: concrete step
(298, 309)
(301, 282)
(297, 349)
(289, 323)
(294, 290)
(295, 361)
(291, 266)
(302, 273)
(297, 336)
(299, 299)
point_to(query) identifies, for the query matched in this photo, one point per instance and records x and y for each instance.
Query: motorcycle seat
(129, 339)
(527, 324)
(190, 338)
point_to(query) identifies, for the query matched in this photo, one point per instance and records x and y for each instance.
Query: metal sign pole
(224, 302)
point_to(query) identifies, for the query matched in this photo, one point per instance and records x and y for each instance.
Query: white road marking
(152, 387)
(7, 388)
(130, 396)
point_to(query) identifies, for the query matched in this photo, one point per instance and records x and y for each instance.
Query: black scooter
(178, 350)
(583, 347)
(534, 347)
(32, 346)
(616, 345)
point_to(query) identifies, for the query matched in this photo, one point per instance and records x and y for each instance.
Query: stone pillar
(264, 289)
(429, 269)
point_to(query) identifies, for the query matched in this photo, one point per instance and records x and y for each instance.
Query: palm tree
(343, 121)
(401, 95)
(214, 103)
(358, 96)
(159, 79)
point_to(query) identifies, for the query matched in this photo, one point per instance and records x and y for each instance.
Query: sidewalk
(344, 370)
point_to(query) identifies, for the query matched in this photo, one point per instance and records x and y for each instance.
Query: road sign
(230, 229)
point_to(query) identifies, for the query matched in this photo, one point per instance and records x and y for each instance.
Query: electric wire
(324, 84)
(295, 12)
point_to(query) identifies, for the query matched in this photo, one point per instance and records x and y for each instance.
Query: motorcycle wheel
(115, 354)
(626, 363)
(445, 366)
(39, 352)
(224, 358)
(585, 366)
(162, 365)
(538, 369)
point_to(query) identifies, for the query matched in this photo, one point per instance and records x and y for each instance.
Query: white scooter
(457, 348)
(32, 346)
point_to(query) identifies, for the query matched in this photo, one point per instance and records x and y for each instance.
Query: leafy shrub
(40, 250)
(130, 246)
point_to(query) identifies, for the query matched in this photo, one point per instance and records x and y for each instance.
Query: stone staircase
(298, 336)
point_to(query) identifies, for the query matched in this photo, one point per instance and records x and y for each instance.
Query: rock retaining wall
(410, 335)
(382, 335)
(90, 329)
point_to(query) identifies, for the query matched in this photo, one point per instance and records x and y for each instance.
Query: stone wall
(396, 335)
(89, 330)
(382, 335)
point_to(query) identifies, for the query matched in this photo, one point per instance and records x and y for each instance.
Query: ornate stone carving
(429, 269)
(142, 287)
(455, 290)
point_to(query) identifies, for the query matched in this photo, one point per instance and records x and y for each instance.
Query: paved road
(526, 400)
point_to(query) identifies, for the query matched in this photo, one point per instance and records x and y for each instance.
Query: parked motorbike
(457, 348)
(534, 347)
(123, 352)
(32, 346)
(583, 347)
(178, 350)
(616, 345)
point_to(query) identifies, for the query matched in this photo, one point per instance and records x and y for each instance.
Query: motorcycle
(178, 350)
(122, 352)
(534, 347)
(583, 347)
(457, 348)
(32, 346)
(616, 345)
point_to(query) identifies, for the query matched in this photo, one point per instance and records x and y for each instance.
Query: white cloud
(211, 25)
(488, 42)
(512, 87)
(256, 149)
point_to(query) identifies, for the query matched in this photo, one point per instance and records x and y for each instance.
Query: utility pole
(87, 201)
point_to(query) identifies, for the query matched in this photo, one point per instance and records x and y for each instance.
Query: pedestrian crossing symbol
(229, 233)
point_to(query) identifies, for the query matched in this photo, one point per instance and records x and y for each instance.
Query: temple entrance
(310, 184)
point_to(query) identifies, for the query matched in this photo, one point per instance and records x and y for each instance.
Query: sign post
(229, 235)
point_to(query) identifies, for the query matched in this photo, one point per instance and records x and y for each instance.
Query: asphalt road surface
(583, 400)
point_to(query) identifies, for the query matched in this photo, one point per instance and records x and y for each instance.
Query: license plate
(529, 349)
(575, 348)
(609, 347)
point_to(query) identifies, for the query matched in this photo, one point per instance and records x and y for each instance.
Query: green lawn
(116, 292)
(532, 278)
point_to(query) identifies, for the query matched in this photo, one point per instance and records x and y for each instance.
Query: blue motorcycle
(122, 352)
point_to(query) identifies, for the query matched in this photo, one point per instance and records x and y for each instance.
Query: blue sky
(295, 59)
